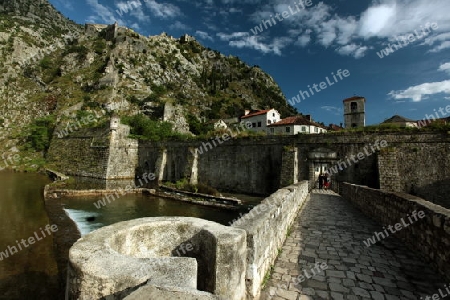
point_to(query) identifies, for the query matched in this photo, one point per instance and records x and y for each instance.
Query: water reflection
(32, 272)
(134, 206)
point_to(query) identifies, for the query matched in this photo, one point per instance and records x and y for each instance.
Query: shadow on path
(329, 232)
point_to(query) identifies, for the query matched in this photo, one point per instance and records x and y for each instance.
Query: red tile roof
(335, 127)
(354, 98)
(257, 113)
(295, 120)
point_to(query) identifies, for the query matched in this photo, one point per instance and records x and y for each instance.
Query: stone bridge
(296, 244)
(381, 174)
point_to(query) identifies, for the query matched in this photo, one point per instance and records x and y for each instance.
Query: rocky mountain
(55, 72)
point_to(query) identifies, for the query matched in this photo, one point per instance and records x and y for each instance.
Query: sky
(395, 53)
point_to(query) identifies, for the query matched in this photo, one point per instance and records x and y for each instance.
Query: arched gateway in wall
(320, 160)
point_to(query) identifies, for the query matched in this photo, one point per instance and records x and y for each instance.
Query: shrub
(202, 188)
(144, 128)
(196, 127)
(40, 133)
(45, 63)
(99, 46)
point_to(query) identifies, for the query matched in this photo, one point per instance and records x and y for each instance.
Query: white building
(400, 121)
(261, 119)
(296, 124)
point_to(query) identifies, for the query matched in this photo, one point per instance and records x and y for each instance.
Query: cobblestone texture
(330, 230)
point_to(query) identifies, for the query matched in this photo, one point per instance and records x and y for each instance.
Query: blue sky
(302, 43)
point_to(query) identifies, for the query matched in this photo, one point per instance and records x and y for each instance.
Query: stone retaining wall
(255, 164)
(267, 225)
(429, 236)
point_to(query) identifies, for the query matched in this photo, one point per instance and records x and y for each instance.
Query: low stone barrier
(267, 225)
(184, 258)
(165, 256)
(428, 234)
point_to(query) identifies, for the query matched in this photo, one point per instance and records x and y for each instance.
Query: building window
(353, 106)
(269, 122)
(288, 129)
(303, 128)
(259, 124)
(316, 129)
(353, 124)
(273, 114)
(253, 125)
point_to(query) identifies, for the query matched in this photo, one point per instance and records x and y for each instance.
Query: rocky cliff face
(53, 68)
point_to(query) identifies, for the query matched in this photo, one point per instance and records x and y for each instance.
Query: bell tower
(354, 112)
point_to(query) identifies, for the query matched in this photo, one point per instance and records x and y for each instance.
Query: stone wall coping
(435, 208)
(338, 138)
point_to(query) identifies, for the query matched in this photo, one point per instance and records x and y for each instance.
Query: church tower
(354, 112)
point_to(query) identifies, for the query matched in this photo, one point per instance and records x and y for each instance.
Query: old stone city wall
(412, 163)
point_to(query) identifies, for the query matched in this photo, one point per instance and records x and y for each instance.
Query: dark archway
(320, 160)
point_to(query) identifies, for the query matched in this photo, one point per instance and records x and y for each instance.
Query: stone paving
(329, 232)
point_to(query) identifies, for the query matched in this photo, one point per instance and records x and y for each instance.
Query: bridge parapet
(422, 225)
(267, 226)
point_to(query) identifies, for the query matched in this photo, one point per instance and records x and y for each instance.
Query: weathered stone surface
(422, 223)
(328, 223)
(105, 153)
(172, 293)
(266, 226)
(180, 252)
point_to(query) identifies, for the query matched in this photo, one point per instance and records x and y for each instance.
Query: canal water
(88, 217)
(32, 272)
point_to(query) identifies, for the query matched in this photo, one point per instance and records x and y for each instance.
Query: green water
(31, 273)
(127, 207)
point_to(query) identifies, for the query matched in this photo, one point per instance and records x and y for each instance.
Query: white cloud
(67, 4)
(445, 67)
(203, 35)
(103, 13)
(179, 26)
(442, 46)
(163, 10)
(357, 51)
(377, 20)
(227, 37)
(133, 8)
(304, 39)
(417, 93)
(245, 40)
(135, 26)
(332, 109)
(234, 10)
(382, 21)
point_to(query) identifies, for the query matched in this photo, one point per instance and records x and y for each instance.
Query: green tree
(40, 133)
(144, 128)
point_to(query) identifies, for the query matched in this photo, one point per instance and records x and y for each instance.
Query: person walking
(326, 181)
(321, 179)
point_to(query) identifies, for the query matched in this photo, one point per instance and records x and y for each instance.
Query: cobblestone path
(326, 245)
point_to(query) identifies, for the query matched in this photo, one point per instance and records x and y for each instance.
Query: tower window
(353, 124)
(353, 106)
